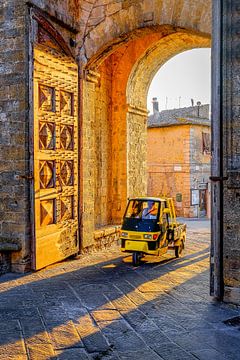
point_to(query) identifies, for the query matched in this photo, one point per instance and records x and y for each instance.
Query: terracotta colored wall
(176, 164)
(168, 164)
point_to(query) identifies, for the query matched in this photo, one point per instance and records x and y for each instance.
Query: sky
(184, 77)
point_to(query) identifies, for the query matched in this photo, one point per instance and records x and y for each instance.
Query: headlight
(147, 236)
(124, 234)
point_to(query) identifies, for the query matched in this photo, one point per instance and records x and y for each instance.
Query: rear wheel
(178, 249)
(136, 258)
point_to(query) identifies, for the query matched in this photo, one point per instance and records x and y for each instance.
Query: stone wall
(106, 25)
(230, 142)
(136, 152)
(96, 159)
(103, 147)
(88, 165)
(5, 262)
(14, 131)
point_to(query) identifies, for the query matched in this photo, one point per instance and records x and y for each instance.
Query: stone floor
(101, 307)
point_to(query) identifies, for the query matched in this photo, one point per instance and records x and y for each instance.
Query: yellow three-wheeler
(150, 227)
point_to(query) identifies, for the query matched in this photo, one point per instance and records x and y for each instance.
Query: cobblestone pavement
(101, 307)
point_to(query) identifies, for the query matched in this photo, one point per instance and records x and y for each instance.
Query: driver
(151, 211)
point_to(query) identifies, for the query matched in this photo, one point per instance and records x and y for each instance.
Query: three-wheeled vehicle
(150, 227)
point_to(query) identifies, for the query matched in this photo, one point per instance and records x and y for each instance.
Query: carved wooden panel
(46, 98)
(47, 136)
(67, 208)
(47, 212)
(66, 137)
(55, 156)
(66, 173)
(47, 174)
(66, 103)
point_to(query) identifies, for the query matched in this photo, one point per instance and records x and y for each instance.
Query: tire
(179, 249)
(136, 258)
(176, 248)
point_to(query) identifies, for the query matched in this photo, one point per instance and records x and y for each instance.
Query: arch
(128, 68)
(154, 57)
(108, 27)
(48, 35)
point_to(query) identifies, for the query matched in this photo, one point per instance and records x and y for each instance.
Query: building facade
(178, 158)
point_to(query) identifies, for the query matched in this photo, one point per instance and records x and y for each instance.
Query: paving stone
(108, 355)
(65, 336)
(71, 354)
(40, 351)
(127, 341)
(140, 355)
(170, 351)
(34, 331)
(11, 326)
(210, 354)
(12, 345)
(105, 315)
(115, 328)
(91, 335)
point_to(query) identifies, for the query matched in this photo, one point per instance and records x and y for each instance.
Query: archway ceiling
(154, 57)
(104, 24)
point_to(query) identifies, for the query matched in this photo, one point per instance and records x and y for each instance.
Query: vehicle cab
(144, 227)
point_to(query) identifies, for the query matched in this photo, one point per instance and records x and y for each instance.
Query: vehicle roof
(146, 198)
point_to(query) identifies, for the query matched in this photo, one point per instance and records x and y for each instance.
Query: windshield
(142, 209)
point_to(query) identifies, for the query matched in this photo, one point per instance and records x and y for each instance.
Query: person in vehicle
(136, 209)
(151, 211)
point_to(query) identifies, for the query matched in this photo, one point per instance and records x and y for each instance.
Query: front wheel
(136, 258)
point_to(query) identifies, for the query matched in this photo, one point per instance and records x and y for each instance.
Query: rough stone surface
(230, 142)
(101, 307)
(14, 190)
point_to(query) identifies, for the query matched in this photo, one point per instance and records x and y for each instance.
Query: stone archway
(114, 118)
(105, 26)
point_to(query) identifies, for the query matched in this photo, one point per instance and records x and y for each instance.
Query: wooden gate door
(55, 156)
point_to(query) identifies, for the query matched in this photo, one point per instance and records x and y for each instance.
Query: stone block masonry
(14, 164)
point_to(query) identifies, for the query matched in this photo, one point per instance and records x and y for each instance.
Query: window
(142, 209)
(206, 143)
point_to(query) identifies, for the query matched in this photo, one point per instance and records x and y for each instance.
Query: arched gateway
(80, 101)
